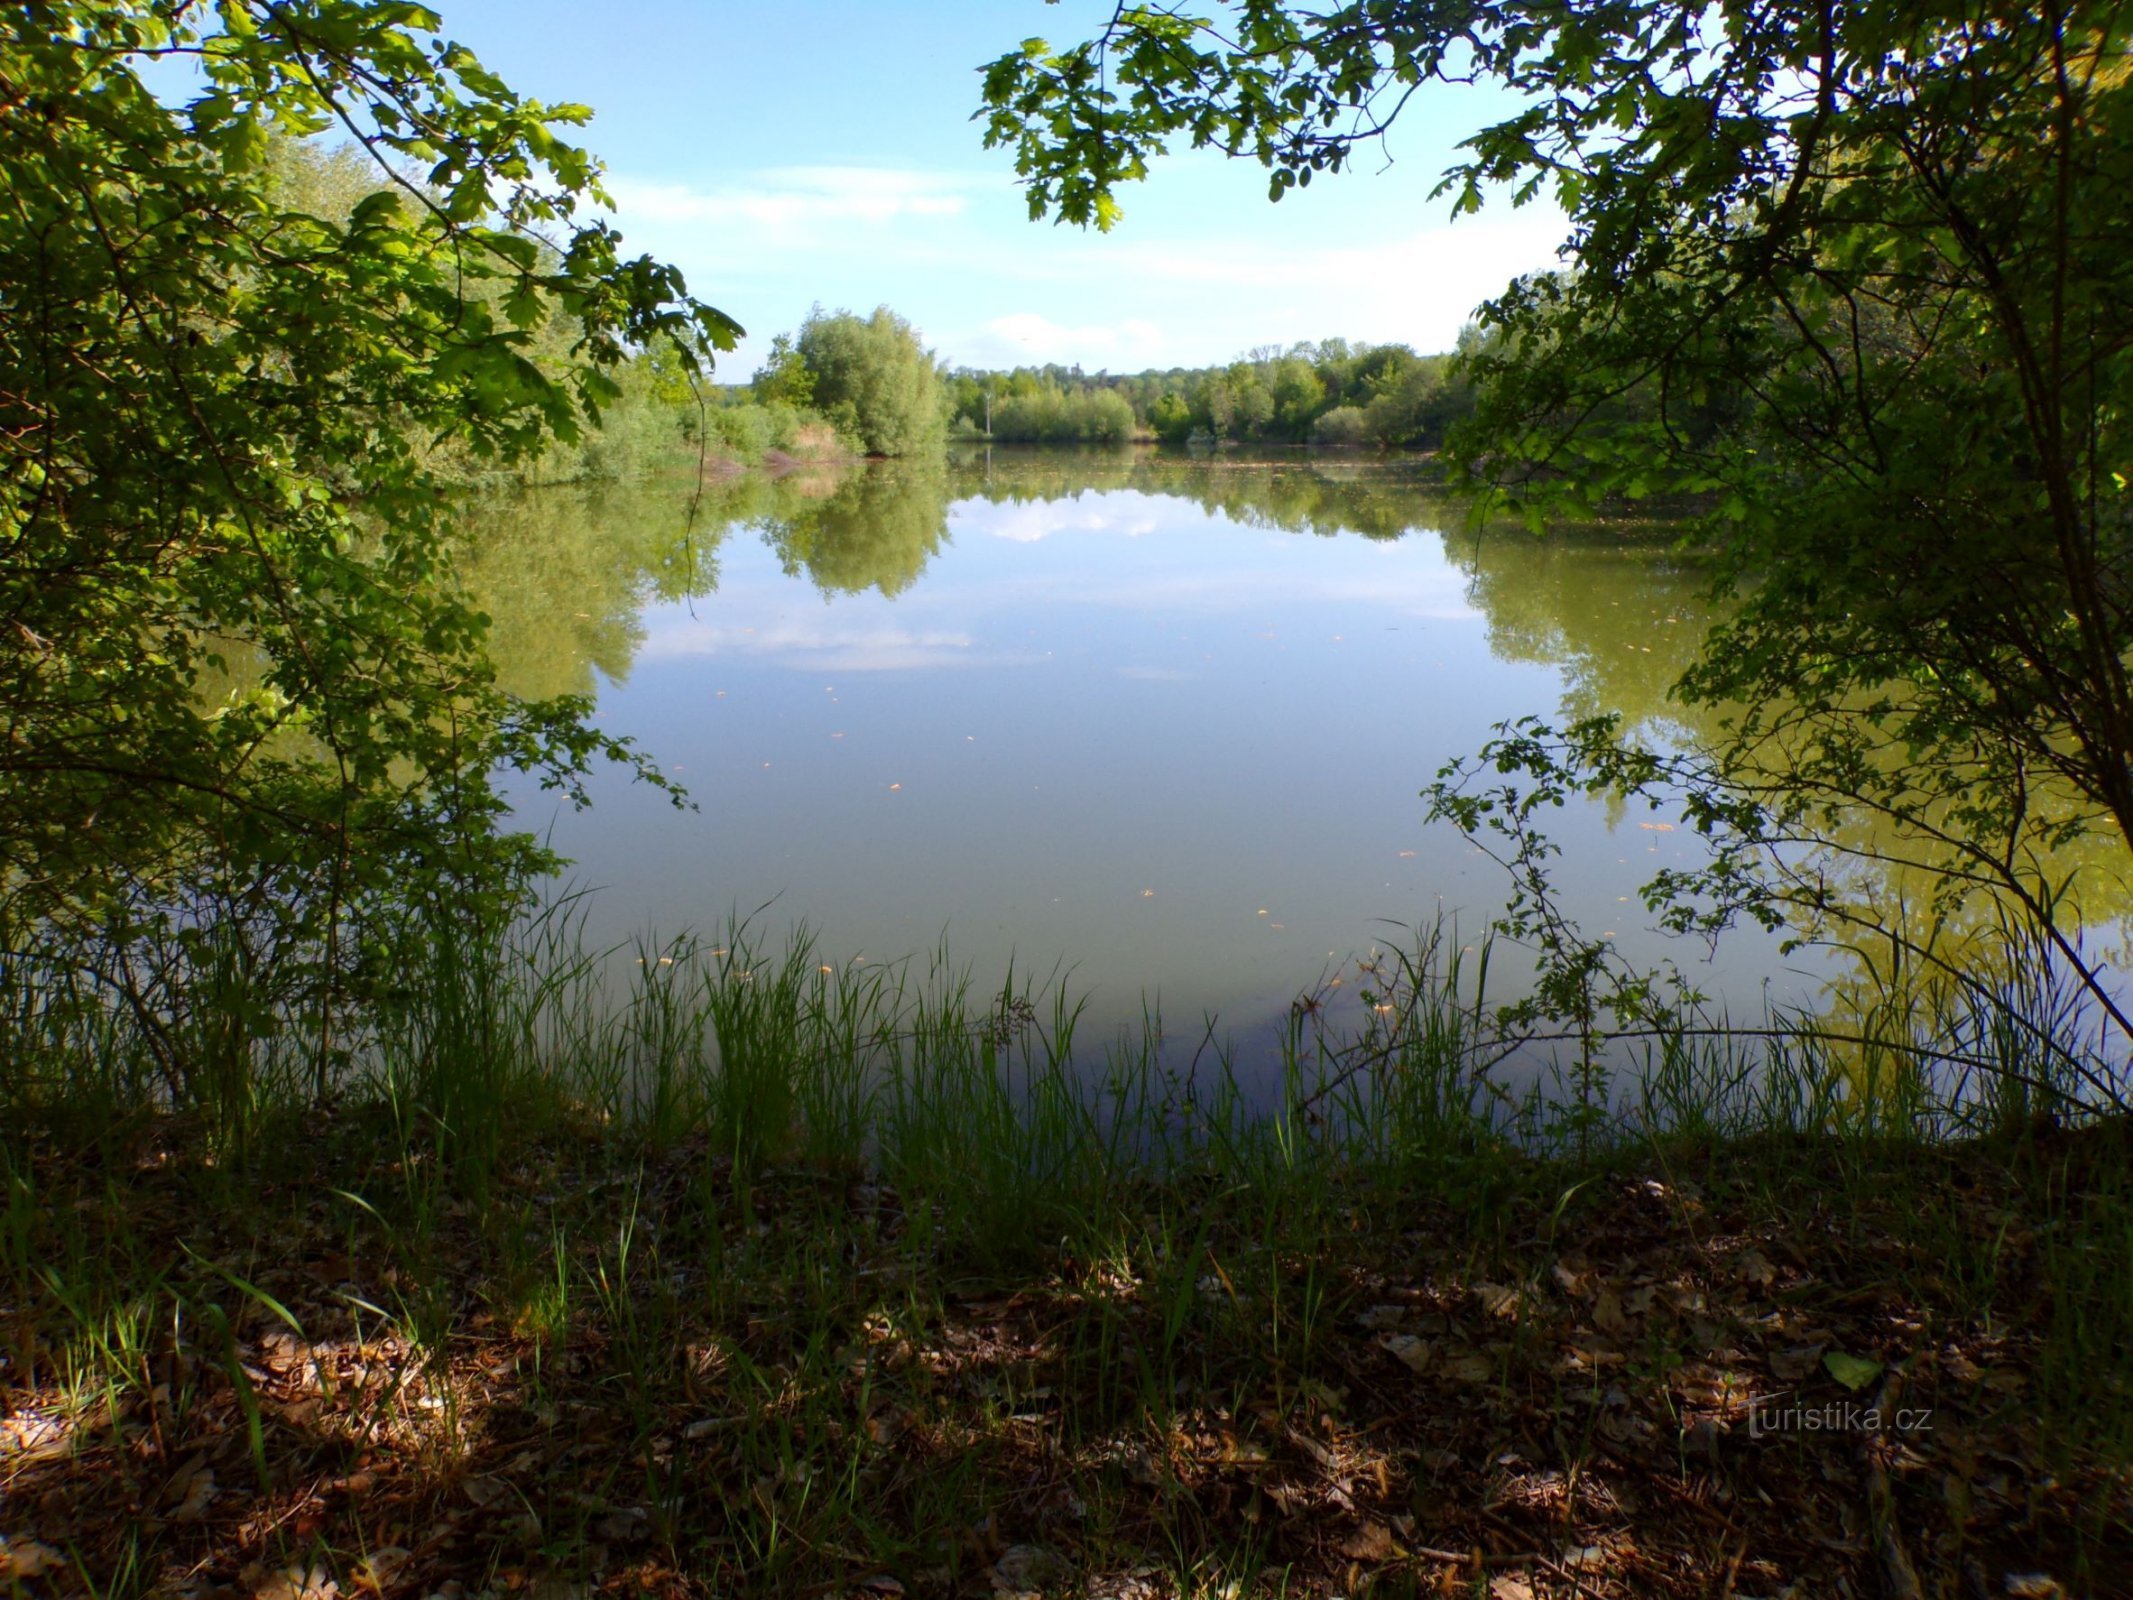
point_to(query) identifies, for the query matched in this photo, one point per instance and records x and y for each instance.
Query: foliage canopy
(873, 379)
(1856, 280)
(243, 698)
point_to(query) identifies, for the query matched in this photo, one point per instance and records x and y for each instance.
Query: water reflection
(1163, 719)
(566, 573)
(564, 576)
(873, 530)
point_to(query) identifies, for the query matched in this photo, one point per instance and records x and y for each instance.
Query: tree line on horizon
(871, 380)
(845, 385)
(1329, 392)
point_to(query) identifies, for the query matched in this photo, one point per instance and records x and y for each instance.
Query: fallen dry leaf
(1414, 1353)
(1498, 1299)
(379, 1571)
(1800, 1361)
(1475, 1368)
(296, 1583)
(193, 1490)
(26, 1558)
(1373, 1541)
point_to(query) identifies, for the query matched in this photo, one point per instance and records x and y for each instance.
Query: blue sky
(796, 153)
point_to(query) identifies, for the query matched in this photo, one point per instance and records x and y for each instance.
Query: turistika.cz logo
(1835, 1416)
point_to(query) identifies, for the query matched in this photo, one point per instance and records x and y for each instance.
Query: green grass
(753, 1271)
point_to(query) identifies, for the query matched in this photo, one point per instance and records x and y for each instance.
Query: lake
(1156, 724)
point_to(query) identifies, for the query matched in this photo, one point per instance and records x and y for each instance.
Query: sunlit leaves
(251, 702)
(1852, 283)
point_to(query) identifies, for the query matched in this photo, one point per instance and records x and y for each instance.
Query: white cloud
(815, 646)
(1431, 592)
(1418, 288)
(951, 250)
(1031, 520)
(1029, 338)
(1485, 250)
(789, 198)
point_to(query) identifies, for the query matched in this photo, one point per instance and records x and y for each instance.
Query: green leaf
(1854, 1372)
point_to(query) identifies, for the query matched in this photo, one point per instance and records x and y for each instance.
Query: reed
(736, 1187)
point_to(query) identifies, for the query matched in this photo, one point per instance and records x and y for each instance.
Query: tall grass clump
(798, 1255)
(1403, 1068)
(1005, 1131)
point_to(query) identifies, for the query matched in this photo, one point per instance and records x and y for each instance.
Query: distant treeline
(850, 385)
(847, 385)
(1326, 393)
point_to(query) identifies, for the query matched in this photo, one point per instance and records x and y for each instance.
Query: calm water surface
(1157, 723)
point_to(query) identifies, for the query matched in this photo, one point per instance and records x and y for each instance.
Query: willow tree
(873, 379)
(245, 707)
(1854, 278)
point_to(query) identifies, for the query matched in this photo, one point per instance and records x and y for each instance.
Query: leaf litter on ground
(780, 1380)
